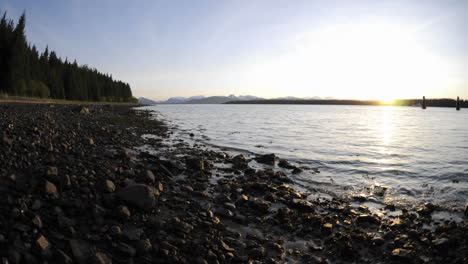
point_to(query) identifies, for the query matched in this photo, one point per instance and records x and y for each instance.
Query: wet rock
(187, 188)
(101, 258)
(327, 228)
(239, 162)
(139, 195)
(466, 210)
(402, 254)
(268, 159)
(426, 210)
(297, 170)
(285, 164)
(195, 163)
(367, 220)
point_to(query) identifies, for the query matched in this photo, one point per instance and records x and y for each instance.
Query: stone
(7, 140)
(52, 171)
(466, 210)
(91, 141)
(62, 257)
(123, 212)
(37, 221)
(226, 247)
(139, 195)
(144, 246)
(85, 111)
(126, 249)
(268, 159)
(36, 205)
(101, 258)
(402, 253)
(327, 228)
(109, 186)
(42, 243)
(80, 250)
(149, 177)
(367, 219)
(195, 163)
(285, 164)
(132, 233)
(50, 188)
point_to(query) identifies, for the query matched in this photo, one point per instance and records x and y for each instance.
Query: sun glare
(380, 61)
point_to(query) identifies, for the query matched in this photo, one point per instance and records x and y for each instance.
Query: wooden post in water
(458, 103)
(424, 103)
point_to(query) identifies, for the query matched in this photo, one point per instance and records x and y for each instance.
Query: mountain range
(216, 99)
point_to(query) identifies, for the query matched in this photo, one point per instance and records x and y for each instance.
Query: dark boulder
(139, 195)
(268, 159)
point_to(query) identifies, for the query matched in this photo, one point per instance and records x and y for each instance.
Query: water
(415, 155)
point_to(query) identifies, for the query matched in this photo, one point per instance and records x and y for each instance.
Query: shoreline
(101, 198)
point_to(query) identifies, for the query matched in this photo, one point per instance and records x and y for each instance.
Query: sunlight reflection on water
(421, 155)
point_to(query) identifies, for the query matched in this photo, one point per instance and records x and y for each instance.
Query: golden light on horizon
(365, 61)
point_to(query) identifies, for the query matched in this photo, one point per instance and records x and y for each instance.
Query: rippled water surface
(419, 155)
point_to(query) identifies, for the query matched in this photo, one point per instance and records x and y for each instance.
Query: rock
(285, 164)
(426, 210)
(230, 206)
(367, 219)
(297, 170)
(466, 210)
(239, 162)
(115, 230)
(226, 247)
(8, 141)
(126, 249)
(132, 233)
(139, 195)
(43, 244)
(144, 246)
(62, 257)
(108, 186)
(147, 177)
(36, 205)
(268, 159)
(52, 171)
(195, 163)
(327, 228)
(37, 221)
(80, 250)
(101, 258)
(401, 253)
(90, 141)
(50, 189)
(85, 111)
(187, 188)
(123, 212)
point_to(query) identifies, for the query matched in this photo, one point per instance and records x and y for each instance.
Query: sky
(360, 49)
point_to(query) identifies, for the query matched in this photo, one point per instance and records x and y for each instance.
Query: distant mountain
(180, 99)
(222, 99)
(208, 100)
(146, 101)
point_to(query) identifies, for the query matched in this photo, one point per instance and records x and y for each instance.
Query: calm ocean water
(416, 155)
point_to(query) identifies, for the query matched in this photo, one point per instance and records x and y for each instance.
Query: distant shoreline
(399, 102)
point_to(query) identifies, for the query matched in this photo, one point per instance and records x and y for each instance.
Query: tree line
(24, 71)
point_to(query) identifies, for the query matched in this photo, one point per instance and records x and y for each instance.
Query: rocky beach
(109, 184)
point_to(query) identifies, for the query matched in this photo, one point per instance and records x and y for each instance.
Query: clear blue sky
(271, 48)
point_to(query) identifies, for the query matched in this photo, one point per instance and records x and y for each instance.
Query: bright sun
(364, 61)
